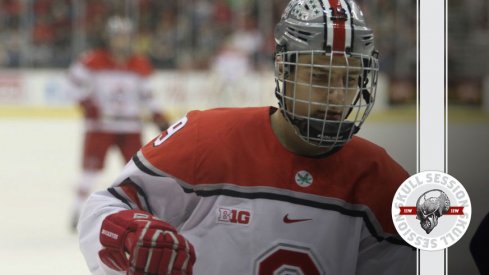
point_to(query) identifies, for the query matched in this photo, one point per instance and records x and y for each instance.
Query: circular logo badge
(431, 210)
(303, 178)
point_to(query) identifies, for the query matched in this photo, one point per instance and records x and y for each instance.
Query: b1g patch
(233, 216)
(431, 210)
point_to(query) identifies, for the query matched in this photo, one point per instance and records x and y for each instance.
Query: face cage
(321, 131)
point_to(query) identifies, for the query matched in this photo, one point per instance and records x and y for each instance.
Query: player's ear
(280, 67)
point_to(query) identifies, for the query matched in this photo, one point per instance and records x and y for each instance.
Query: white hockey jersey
(249, 206)
(122, 92)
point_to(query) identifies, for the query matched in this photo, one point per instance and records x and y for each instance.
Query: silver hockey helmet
(118, 35)
(118, 24)
(326, 36)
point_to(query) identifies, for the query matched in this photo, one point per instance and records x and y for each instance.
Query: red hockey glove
(161, 121)
(139, 243)
(90, 109)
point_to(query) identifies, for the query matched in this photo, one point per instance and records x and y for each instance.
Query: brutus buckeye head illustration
(430, 206)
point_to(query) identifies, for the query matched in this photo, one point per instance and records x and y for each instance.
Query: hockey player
(264, 190)
(111, 86)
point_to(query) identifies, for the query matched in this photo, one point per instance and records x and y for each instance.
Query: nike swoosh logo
(287, 220)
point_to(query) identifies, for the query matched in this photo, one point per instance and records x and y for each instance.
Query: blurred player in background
(264, 190)
(111, 85)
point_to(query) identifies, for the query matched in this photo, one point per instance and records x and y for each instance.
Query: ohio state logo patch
(431, 210)
(303, 178)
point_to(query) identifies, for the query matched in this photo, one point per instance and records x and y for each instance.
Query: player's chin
(330, 116)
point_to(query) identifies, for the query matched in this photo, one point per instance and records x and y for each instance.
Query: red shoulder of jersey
(100, 59)
(140, 64)
(379, 182)
(237, 147)
(195, 148)
(96, 59)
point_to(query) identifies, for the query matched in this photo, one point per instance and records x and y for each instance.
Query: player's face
(324, 87)
(120, 42)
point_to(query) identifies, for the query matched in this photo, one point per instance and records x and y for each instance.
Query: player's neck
(120, 58)
(286, 135)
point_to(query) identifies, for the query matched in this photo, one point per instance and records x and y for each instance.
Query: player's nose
(336, 91)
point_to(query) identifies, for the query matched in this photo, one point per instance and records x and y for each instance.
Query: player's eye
(319, 73)
(320, 76)
(351, 80)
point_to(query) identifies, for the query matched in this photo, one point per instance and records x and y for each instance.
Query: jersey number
(170, 131)
(284, 259)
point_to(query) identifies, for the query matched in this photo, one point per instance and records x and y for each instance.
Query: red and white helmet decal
(338, 25)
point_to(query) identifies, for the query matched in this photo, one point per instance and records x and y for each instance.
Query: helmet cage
(336, 29)
(324, 131)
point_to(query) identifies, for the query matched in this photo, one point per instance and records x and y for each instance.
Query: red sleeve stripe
(132, 195)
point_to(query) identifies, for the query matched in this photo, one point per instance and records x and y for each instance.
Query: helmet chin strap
(326, 133)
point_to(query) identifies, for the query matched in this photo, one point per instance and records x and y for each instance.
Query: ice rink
(40, 164)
